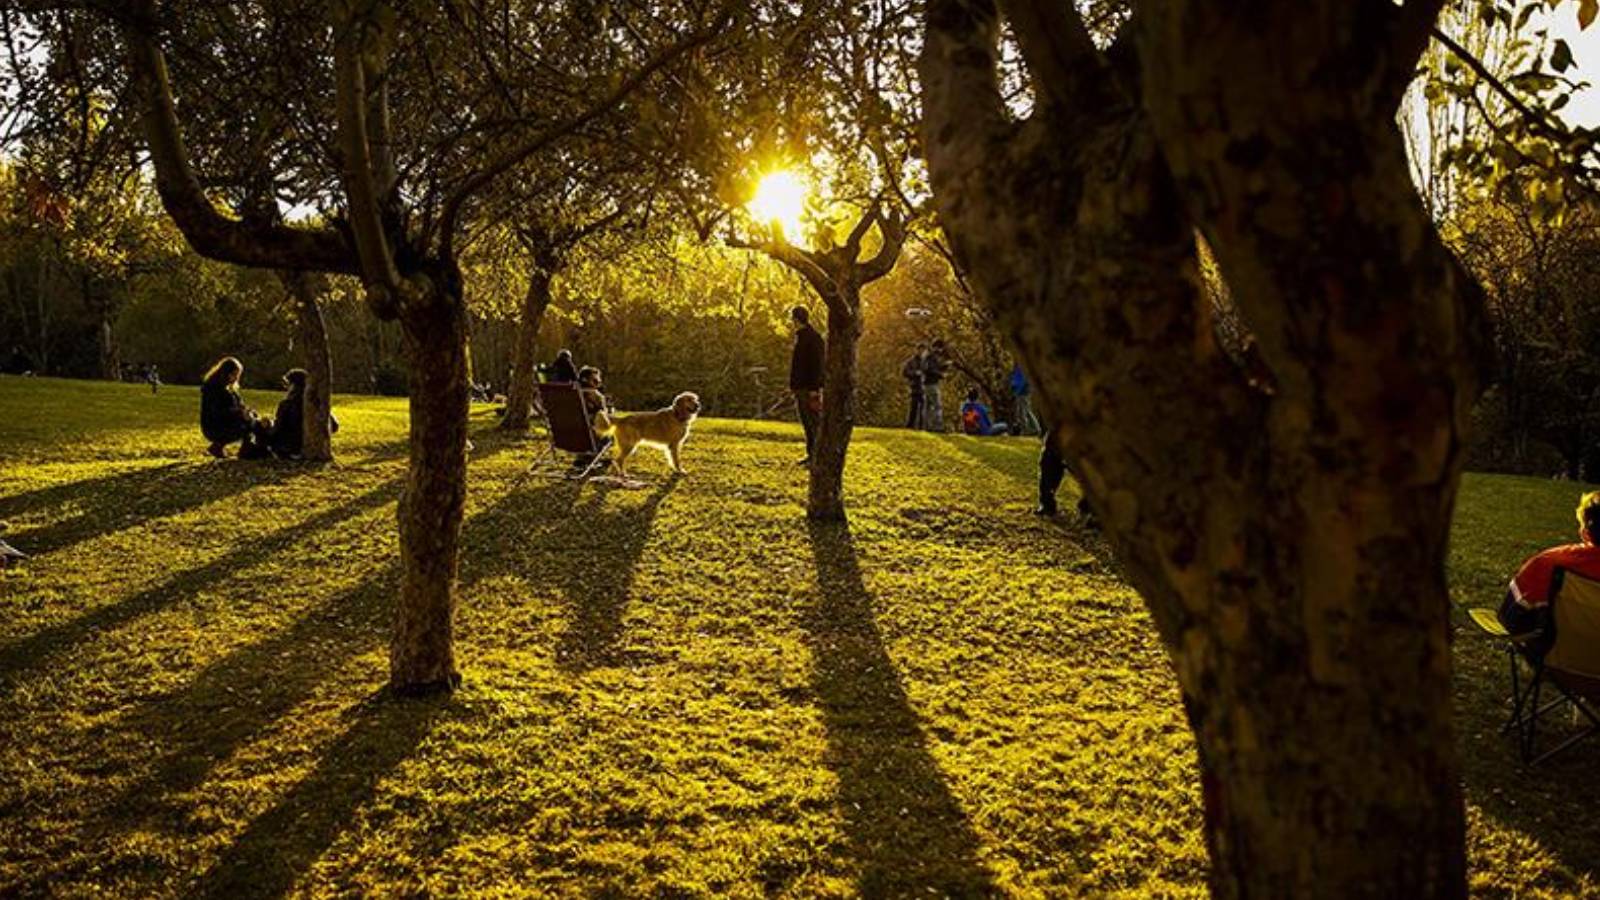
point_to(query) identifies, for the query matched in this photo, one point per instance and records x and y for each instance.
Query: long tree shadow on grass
(103, 508)
(279, 845)
(906, 830)
(37, 649)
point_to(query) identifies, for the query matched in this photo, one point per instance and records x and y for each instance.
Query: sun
(780, 200)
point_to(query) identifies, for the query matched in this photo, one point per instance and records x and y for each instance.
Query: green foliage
(678, 691)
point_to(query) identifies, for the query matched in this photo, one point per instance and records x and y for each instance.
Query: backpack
(970, 422)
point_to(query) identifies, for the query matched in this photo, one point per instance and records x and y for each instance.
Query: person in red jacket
(806, 366)
(1527, 604)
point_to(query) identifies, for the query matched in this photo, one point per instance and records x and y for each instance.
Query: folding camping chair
(1520, 654)
(568, 419)
(1572, 664)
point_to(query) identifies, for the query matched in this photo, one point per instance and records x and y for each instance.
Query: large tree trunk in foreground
(421, 650)
(520, 393)
(826, 499)
(1288, 533)
(317, 440)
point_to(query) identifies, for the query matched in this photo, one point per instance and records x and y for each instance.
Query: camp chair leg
(1516, 692)
(1594, 728)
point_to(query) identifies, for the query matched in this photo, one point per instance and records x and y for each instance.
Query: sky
(1585, 106)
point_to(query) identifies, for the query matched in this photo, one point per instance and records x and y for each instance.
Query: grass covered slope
(682, 690)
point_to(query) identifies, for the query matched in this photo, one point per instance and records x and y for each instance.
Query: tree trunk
(318, 439)
(1327, 756)
(520, 393)
(826, 501)
(1287, 533)
(421, 650)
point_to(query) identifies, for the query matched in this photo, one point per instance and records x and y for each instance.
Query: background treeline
(98, 289)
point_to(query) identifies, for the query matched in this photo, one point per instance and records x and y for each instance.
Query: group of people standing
(924, 374)
(226, 419)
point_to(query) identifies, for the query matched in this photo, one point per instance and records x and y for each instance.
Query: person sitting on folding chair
(1526, 607)
(598, 405)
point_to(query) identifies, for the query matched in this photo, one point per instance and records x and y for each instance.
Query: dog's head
(686, 405)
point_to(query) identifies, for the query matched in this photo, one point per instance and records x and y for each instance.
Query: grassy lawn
(681, 690)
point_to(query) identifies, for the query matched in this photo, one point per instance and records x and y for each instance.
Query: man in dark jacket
(934, 364)
(912, 372)
(288, 435)
(806, 376)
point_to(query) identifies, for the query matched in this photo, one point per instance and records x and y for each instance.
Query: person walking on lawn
(934, 364)
(806, 367)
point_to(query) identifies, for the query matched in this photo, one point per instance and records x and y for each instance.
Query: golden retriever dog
(665, 428)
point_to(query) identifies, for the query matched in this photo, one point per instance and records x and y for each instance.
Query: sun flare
(780, 200)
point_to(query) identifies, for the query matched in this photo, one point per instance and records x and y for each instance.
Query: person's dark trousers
(808, 419)
(914, 417)
(1052, 469)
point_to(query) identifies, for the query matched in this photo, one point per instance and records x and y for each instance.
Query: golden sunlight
(779, 201)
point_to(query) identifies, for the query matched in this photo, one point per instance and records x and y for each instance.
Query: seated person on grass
(288, 429)
(598, 407)
(975, 417)
(224, 418)
(1527, 604)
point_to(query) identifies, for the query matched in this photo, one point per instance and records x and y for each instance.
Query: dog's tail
(604, 426)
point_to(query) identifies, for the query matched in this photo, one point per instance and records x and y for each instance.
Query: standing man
(1022, 403)
(934, 364)
(1052, 471)
(806, 366)
(912, 372)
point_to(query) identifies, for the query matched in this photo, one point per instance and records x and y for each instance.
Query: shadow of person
(907, 832)
(281, 844)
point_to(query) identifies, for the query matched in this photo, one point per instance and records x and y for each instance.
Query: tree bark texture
(1288, 536)
(520, 393)
(825, 500)
(421, 650)
(317, 440)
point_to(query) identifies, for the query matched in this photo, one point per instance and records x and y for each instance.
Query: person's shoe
(804, 462)
(216, 450)
(1045, 510)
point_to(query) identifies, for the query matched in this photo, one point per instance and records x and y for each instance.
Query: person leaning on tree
(288, 436)
(806, 366)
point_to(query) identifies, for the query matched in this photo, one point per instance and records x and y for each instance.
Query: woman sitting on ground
(224, 418)
(975, 417)
(288, 429)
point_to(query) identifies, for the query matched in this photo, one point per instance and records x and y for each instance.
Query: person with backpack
(975, 418)
(912, 373)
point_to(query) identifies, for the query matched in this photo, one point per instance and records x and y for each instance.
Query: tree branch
(1066, 66)
(509, 160)
(209, 231)
(378, 270)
